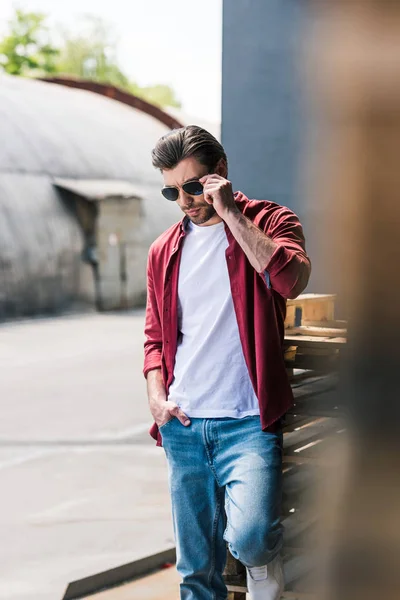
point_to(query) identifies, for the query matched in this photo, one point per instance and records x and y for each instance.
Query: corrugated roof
(52, 130)
(98, 189)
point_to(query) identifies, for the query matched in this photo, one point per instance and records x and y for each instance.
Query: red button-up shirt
(259, 301)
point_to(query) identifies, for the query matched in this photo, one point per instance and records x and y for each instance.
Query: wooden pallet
(313, 339)
(308, 442)
(308, 309)
(314, 342)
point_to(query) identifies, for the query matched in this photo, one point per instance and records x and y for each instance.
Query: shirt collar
(184, 223)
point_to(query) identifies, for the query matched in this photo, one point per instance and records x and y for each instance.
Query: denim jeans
(225, 481)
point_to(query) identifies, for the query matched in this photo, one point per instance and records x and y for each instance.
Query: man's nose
(184, 198)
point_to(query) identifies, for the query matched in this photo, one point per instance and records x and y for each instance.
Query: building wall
(121, 253)
(264, 120)
(40, 247)
(75, 134)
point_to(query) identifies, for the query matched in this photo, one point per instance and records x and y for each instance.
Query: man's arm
(258, 247)
(161, 410)
(152, 326)
(282, 257)
(157, 395)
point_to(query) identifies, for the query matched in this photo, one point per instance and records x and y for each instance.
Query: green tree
(91, 54)
(27, 47)
(161, 95)
(88, 53)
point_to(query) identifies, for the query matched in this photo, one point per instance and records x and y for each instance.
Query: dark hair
(184, 142)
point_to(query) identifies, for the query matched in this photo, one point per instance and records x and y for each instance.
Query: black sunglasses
(193, 188)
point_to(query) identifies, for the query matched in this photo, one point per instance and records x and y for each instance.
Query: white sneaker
(266, 582)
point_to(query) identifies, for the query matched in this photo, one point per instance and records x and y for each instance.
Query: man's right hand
(162, 410)
(165, 411)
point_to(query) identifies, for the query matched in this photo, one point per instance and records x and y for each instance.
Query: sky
(176, 42)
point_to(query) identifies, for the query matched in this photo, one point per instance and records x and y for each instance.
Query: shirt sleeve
(289, 268)
(152, 329)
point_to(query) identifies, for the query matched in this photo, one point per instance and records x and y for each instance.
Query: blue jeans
(225, 481)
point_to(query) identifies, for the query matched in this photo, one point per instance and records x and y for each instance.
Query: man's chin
(203, 217)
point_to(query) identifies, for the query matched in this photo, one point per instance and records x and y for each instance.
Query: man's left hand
(218, 192)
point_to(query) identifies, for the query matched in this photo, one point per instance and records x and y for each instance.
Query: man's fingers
(209, 178)
(179, 414)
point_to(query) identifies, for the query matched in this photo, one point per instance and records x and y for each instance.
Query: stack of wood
(313, 433)
(313, 338)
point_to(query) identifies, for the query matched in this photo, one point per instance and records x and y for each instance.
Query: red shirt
(259, 301)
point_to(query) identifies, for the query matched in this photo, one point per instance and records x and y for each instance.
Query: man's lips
(192, 212)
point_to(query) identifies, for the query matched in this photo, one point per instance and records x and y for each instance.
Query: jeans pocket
(161, 427)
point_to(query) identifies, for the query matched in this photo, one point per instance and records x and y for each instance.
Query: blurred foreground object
(354, 64)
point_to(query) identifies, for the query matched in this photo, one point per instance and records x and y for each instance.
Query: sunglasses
(192, 188)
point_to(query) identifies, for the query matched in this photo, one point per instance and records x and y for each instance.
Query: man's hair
(184, 142)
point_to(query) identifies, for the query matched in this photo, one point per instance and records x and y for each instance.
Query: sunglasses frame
(173, 187)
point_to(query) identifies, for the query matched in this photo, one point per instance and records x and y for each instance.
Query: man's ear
(221, 168)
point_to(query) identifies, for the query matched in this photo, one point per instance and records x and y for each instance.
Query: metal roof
(48, 129)
(98, 189)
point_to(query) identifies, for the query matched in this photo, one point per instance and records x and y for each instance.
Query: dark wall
(265, 123)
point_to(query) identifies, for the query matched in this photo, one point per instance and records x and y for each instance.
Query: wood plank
(310, 341)
(317, 331)
(325, 404)
(317, 307)
(292, 421)
(314, 439)
(333, 324)
(300, 374)
(311, 297)
(320, 363)
(313, 386)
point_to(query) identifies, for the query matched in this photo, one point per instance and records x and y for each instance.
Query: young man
(217, 385)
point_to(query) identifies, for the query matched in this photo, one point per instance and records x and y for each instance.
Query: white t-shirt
(211, 378)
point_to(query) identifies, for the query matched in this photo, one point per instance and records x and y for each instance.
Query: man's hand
(165, 411)
(218, 192)
(161, 410)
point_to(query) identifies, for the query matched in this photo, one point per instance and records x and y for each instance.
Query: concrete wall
(121, 253)
(265, 125)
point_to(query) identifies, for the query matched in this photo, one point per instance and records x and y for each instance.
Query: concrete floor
(83, 486)
(162, 585)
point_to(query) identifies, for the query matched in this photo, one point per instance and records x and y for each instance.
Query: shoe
(266, 582)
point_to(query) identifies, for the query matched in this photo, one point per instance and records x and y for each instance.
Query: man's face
(195, 207)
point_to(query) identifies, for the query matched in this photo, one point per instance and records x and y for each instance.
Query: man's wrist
(232, 213)
(157, 400)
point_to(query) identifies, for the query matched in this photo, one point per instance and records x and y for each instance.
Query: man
(217, 385)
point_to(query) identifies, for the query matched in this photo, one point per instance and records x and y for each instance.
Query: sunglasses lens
(193, 188)
(170, 193)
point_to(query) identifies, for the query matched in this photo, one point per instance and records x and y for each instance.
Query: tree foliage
(88, 53)
(27, 47)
